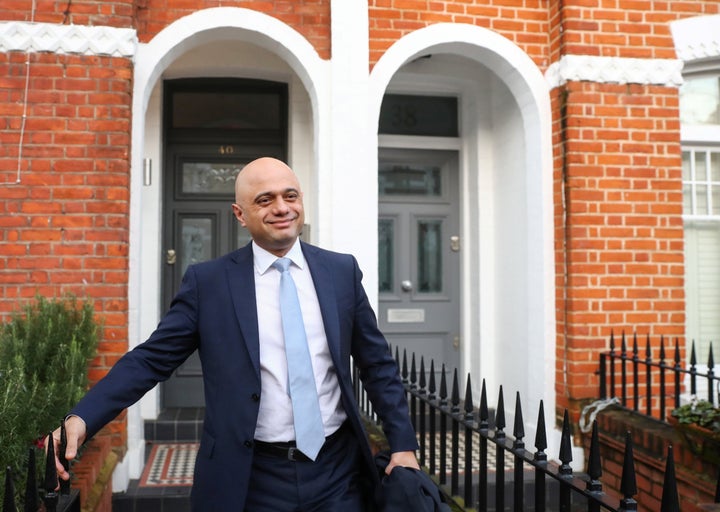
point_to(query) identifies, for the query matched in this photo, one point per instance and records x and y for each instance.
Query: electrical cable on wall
(25, 105)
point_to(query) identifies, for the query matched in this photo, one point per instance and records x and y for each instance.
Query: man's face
(269, 204)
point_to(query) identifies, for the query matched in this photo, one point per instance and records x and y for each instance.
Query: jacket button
(248, 444)
(255, 397)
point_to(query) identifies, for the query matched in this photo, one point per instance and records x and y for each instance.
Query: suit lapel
(241, 279)
(325, 290)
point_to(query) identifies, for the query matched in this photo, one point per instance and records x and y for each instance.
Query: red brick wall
(309, 17)
(64, 227)
(696, 478)
(524, 23)
(619, 241)
(112, 13)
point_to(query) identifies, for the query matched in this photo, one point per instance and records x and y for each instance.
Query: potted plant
(699, 423)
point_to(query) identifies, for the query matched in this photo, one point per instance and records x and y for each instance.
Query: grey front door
(212, 127)
(419, 253)
(199, 225)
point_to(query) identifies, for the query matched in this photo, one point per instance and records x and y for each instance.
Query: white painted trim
(618, 70)
(151, 61)
(697, 38)
(75, 39)
(525, 81)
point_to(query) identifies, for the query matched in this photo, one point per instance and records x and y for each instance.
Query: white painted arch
(234, 26)
(490, 352)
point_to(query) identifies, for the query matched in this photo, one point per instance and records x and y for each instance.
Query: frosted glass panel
(197, 241)
(386, 254)
(210, 178)
(429, 256)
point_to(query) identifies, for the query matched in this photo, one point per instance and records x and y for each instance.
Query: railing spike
(594, 467)
(431, 386)
(413, 373)
(32, 501)
(670, 501)
(397, 355)
(404, 372)
(648, 348)
(64, 484)
(422, 382)
(565, 455)
(455, 400)
(51, 478)
(500, 414)
(635, 345)
(662, 348)
(519, 424)
(693, 358)
(628, 482)
(612, 342)
(483, 411)
(623, 345)
(711, 359)
(541, 435)
(9, 498)
(469, 407)
(443, 387)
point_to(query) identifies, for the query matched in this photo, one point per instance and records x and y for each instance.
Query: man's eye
(264, 201)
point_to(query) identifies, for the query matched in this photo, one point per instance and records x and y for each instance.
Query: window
(701, 209)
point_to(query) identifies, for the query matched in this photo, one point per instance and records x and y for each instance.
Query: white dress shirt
(275, 419)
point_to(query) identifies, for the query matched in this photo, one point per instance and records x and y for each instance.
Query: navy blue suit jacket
(215, 313)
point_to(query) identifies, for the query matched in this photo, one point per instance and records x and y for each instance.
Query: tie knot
(282, 264)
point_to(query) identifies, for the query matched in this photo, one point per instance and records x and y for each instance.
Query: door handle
(170, 257)
(406, 285)
(454, 243)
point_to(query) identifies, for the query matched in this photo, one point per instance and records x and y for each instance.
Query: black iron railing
(651, 386)
(456, 447)
(53, 499)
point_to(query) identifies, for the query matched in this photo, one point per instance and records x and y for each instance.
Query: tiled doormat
(170, 465)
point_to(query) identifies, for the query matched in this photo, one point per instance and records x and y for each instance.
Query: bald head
(257, 169)
(268, 202)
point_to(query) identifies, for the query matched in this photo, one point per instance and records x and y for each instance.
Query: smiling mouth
(282, 222)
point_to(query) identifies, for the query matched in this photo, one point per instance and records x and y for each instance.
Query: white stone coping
(67, 39)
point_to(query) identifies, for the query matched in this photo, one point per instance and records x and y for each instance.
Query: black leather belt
(289, 450)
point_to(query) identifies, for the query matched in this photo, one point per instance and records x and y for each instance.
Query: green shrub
(45, 350)
(699, 412)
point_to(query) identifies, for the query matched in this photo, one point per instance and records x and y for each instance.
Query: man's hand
(75, 432)
(406, 459)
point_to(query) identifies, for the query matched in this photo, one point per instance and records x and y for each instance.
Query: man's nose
(281, 206)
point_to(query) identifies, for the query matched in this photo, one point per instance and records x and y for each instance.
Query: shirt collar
(263, 259)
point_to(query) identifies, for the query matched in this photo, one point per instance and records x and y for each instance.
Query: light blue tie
(309, 431)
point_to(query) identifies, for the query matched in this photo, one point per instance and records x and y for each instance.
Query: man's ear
(238, 212)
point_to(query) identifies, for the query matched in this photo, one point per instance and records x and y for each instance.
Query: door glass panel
(386, 229)
(429, 256)
(227, 110)
(196, 234)
(406, 180)
(214, 178)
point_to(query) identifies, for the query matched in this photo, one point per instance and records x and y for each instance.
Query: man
(229, 310)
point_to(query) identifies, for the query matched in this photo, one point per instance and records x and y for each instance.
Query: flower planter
(700, 440)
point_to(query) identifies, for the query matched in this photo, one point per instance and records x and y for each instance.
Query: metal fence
(471, 456)
(53, 500)
(652, 386)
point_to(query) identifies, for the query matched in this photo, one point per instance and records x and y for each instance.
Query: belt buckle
(291, 454)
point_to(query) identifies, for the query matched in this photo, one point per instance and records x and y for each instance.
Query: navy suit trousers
(333, 482)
